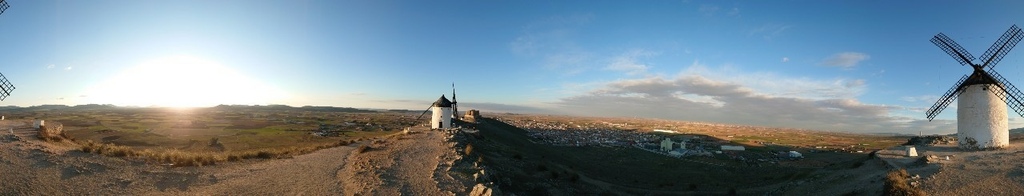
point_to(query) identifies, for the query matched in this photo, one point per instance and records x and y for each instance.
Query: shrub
(896, 184)
(362, 149)
(263, 154)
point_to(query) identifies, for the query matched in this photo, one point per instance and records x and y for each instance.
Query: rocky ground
(418, 163)
(996, 172)
(402, 164)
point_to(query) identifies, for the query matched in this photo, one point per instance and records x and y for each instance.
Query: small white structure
(38, 123)
(442, 116)
(666, 145)
(677, 152)
(733, 148)
(981, 118)
(911, 151)
(795, 154)
(664, 131)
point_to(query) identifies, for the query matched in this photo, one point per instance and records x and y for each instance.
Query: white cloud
(771, 84)
(769, 31)
(785, 59)
(50, 66)
(708, 10)
(845, 60)
(627, 62)
(730, 96)
(922, 98)
(67, 68)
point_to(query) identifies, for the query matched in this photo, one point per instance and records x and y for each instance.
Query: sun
(182, 81)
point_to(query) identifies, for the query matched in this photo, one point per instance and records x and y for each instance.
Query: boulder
(52, 131)
(482, 190)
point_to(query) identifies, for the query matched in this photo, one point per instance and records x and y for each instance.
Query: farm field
(217, 129)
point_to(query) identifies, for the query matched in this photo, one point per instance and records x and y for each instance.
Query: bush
(362, 149)
(187, 158)
(896, 184)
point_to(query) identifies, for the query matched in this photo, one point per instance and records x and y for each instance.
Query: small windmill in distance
(5, 86)
(982, 121)
(441, 118)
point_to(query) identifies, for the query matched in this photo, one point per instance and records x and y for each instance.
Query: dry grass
(896, 184)
(183, 158)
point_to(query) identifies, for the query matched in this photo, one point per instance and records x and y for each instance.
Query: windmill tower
(442, 116)
(981, 115)
(5, 86)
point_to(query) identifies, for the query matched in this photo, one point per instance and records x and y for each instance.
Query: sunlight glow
(182, 81)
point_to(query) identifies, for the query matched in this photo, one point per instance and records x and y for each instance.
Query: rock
(51, 131)
(481, 190)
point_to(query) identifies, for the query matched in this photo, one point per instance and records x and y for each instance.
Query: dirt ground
(29, 166)
(996, 172)
(410, 164)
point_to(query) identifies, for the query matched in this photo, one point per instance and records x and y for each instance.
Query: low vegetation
(176, 157)
(896, 184)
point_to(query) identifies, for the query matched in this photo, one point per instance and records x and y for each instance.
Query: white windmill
(981, 115)
(442, 116)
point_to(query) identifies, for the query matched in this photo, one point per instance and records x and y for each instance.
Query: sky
(849, 66)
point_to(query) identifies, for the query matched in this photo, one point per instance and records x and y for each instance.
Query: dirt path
(309, 174)
(404, 165)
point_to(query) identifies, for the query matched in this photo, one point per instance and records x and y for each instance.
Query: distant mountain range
(233, 107)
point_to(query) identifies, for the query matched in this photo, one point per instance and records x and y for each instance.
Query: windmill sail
(455, 104)
(1009, 93)
(424, 112)
(1002, 46)
(953, 49)
(5, 87)
(946, 99)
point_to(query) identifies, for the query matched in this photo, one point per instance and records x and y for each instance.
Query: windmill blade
(3, 6)
(1009, 93)
(5, 87)
(1002, 46)
(455, 103)
(424, 112)
(953, 49)
(946, 99)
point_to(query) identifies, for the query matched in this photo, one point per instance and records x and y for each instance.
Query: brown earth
(29, 166)
(996, 172)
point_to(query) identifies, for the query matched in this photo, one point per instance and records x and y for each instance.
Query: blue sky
(858, 66)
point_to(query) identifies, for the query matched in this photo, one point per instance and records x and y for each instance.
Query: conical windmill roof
(442, 102)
